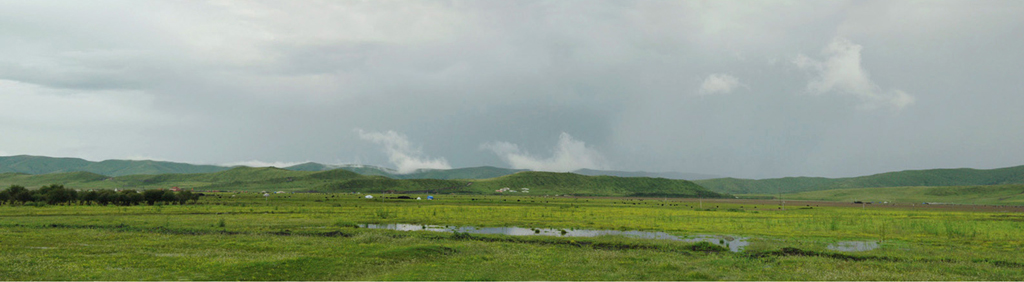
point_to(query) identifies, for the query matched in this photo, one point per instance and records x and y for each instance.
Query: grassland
(245, 236)
(1010, 194)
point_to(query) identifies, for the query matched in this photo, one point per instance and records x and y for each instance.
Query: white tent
(369, 196)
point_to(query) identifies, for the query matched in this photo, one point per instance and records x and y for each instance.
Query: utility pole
(781, 201)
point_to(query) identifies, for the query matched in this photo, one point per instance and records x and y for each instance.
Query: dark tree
(153, 195)
(105, 197)
(184, 196)
(89, 197)
(168, 197)
(134, 198)
(56, 194)
(20, 194)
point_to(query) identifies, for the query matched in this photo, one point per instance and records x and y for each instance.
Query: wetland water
(734, 243)
(853, 246)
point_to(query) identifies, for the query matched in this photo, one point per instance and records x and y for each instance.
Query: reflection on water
(853, 246)
(735, 244)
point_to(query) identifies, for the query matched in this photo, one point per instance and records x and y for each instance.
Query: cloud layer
(568, 155)
(692, 86)
(402, 154)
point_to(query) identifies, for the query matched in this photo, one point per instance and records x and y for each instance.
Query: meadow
(321, 236)
(1006, 194)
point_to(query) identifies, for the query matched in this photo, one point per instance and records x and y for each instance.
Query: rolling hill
(486, 172)
(44, 165)
(669, 175)
(930, 177)
(457, 173)
(340, 180)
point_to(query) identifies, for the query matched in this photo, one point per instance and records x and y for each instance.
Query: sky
(752, 89)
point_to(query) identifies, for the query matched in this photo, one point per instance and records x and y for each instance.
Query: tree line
(59, 195)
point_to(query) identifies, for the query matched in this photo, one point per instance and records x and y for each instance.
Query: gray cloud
(914, 85)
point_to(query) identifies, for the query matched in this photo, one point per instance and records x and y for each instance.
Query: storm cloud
(734, 88)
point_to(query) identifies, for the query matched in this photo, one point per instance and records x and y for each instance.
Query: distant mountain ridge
(44, 165)
(932, 177)
(928, 177)
(344, 181)
(481, 172)
(668, 175)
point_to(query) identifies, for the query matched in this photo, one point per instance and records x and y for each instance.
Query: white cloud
(841, 72)
(144, 158)
(401, 153)
(256, 163)
(719, 83)
(569, 155)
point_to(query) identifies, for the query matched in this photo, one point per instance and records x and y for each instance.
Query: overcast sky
(743, 89)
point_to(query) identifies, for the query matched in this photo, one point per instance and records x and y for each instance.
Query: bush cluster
(59, 195)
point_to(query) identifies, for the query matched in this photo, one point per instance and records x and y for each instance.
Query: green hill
(67, 178)
(669, 175)
(40, 165)
(931, 177)
(310, 166)
(1006, 194)
(44, 165)
(340, 180)
(582, 185)
(457, 173)
(460, 173)
(537, 183)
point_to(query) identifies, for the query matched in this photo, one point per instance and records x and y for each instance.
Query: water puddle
(735, 244)
(853, 246)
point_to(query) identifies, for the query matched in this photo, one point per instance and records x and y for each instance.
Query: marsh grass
(297, 238)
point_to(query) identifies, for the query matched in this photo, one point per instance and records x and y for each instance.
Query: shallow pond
(734, 243)
(853, 246)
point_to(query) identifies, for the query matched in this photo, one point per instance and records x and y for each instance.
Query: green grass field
(244, 236)
(1010, 194)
